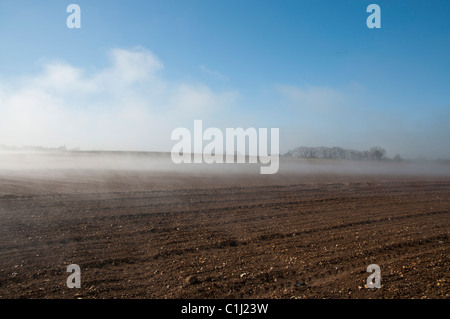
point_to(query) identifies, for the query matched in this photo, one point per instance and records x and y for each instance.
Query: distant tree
(377, 153)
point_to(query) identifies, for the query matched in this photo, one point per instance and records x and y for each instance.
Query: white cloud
(127, 105)
(131, 67)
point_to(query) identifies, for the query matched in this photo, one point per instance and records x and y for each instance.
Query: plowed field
(179, 235)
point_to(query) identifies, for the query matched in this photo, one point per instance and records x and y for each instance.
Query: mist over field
(32, 162)
(308, 231)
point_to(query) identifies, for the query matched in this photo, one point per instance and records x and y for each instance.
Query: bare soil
(167, 235)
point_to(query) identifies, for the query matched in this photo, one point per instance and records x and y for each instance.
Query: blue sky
(311, 68)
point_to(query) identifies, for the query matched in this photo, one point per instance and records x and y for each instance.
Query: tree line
(375, 153)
